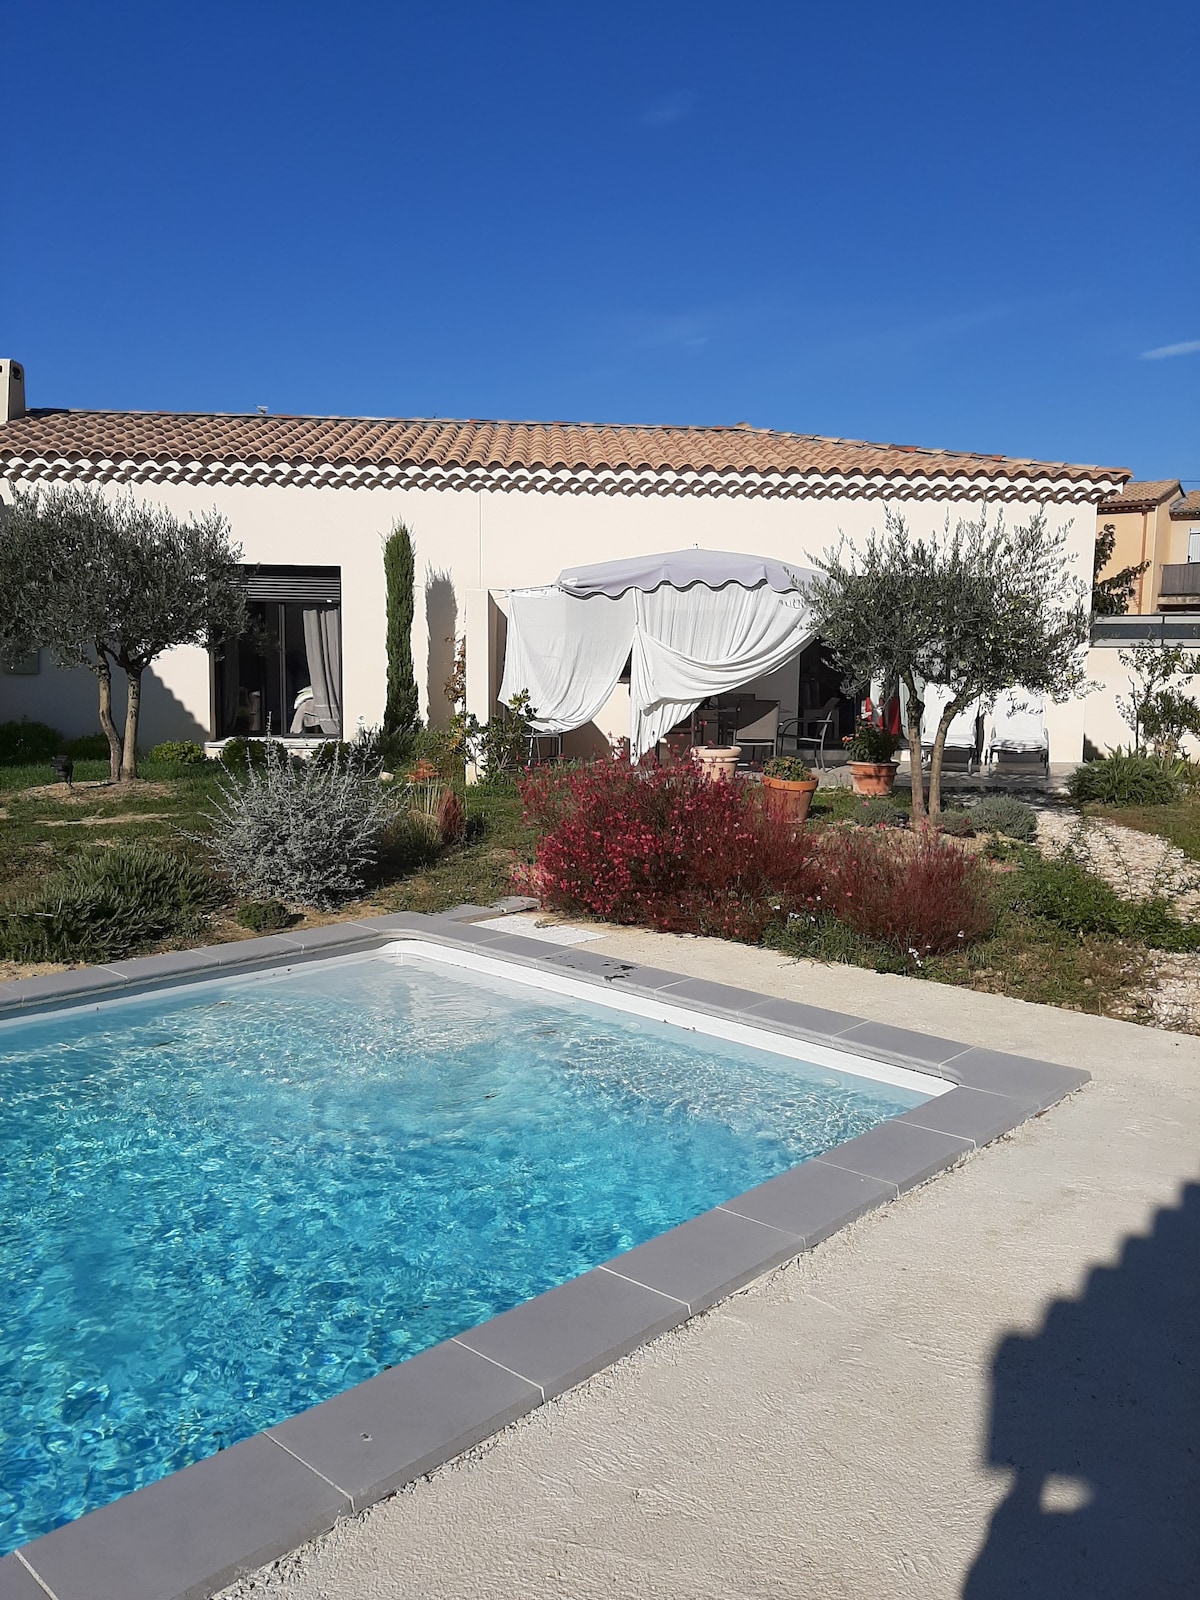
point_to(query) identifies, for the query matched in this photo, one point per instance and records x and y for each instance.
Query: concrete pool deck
(812, 1435)
(987, 1388)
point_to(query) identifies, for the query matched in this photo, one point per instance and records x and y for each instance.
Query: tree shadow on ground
(1099, 1416)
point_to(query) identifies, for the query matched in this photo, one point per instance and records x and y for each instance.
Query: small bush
(1124, 779)
(263, 916)
(878, 810)
(88, 747)
(666, 847)
(1002, 813)
(919, 894)
(958, 824)
(177, 752)
(106, 904)
(310, 833)
(1063, 891)
(29, 744)
(252, 755)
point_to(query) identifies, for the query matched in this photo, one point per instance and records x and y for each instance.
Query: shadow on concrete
(441, 621)
(1099, 1416)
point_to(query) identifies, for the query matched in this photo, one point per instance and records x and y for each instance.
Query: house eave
(1042, 488)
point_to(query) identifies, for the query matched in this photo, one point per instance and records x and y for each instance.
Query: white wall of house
(470, 540)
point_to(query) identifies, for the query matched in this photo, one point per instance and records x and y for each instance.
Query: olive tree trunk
(915, 710)
(935, 758)
(133, 706)
(104, 683)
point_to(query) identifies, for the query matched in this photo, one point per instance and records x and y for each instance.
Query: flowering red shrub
(917, 892)
(665, 847)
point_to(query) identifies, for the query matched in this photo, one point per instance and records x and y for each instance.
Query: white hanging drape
(323, 646)
(690, 643)
(567, 652)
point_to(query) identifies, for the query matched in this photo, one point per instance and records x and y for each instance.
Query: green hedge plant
(1124, 779)
(108, 903)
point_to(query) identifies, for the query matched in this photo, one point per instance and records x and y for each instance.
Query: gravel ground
(1138, 866)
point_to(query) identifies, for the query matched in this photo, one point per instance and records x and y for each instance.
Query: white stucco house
(492, 506)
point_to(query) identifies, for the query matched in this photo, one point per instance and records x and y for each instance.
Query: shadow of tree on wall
(1099, 1416)
(441, 621)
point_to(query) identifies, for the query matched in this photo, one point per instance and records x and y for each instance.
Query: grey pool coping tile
(1040, 1083)
(900, 1153)
(972, 1114)
(193, 1532)
(702, 1261)
(381, 1434)
(793, 1016)
(901, 1044)
(17, 1582)
(812, 1200)
(77, 985)
(559, 1338)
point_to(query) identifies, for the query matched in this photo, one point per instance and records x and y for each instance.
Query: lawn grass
(1180, 823)
(41, 830)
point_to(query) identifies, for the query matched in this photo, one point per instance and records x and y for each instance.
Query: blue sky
(974, 226)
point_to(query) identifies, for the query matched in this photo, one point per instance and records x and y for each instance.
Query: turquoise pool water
(221, 1204)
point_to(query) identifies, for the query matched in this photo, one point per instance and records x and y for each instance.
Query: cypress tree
(401, 715)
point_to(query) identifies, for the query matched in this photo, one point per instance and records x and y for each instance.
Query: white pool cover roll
(568, 652)
(690, 643)
(1019, 722)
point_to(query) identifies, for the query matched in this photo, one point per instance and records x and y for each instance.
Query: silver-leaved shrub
(308, 833)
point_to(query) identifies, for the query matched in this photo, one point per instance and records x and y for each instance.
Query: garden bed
(1024, 952)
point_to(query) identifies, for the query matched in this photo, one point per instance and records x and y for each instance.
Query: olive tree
(109, 583)
(977, 610)
(1111, 595)
(1158, 708)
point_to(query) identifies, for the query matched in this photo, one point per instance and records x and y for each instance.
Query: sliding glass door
(283, 676)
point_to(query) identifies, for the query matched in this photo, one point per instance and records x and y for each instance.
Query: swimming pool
(221, 1204)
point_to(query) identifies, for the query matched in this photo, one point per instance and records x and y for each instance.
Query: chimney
(12, 390)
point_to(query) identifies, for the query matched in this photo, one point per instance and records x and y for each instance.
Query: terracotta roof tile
(1187, 508)
(1141, 496)
(189, 437)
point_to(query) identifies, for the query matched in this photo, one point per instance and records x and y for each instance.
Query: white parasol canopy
(691, 623)
(680, 569)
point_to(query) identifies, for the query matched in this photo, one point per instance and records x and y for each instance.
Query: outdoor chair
(816, 741)
(962, 751)
(1018, 737)
(812, 719)
(543, 747)
(758, 726)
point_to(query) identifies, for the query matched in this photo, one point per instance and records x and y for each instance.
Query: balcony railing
(1181, 580)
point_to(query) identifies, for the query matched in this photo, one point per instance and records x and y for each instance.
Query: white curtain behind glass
(323, 646)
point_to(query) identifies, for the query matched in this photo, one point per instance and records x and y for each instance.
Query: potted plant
(789, 787)
(717, 761)
(870, 750)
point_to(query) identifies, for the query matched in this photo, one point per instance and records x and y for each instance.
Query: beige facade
(495, 531)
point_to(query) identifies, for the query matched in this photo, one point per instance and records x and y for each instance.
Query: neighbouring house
(1159, 524)
(492, 506)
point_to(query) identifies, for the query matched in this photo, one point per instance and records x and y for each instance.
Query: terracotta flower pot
(788, 798)
(717, 762)
(872, 777)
